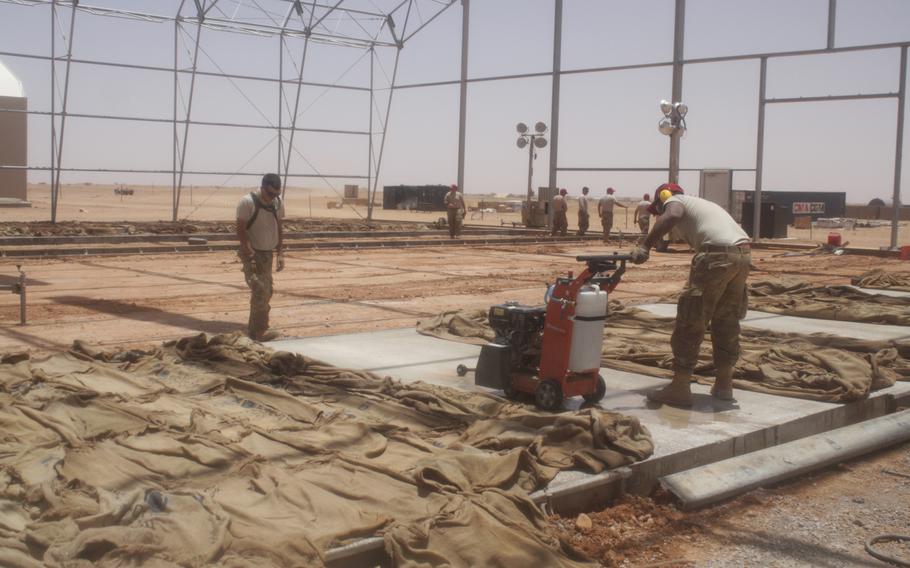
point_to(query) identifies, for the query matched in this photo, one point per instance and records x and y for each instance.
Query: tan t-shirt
(583, 204)
(263, 232)
(707, 223)
(606, 204)
(454, 200)
(641, 210)
(559, 204)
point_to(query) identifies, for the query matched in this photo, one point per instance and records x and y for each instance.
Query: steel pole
(174, 128)
(678, 46)
(832, 22)
(53, 109)
(463, 95)
(189, 109)
(370, 145)
(530, 177)
(385, 129)
(280, 100)
(554, 97)
(66, 90)
(898, 150)
(759, 150)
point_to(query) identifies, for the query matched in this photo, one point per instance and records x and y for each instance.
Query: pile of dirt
(633, 526)
(83, 228)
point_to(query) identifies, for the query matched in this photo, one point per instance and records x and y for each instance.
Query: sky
(607, 119)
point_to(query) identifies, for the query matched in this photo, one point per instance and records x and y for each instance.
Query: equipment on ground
(553, 351)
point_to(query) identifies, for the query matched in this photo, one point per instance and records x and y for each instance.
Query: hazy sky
(608, 119)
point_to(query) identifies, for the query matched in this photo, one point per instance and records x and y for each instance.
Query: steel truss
(374, 30)
(379, 29)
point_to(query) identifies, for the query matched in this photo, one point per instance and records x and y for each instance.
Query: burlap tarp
(882, 279)
(841, 303)
(217, 451)
(817, 366)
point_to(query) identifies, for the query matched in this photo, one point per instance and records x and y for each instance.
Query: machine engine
(521, 329)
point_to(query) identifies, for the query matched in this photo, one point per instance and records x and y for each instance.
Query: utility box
(539, 215)
(774, 220)
(717, 186)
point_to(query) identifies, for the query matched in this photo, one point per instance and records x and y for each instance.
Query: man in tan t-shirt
(560, 208)
(259, 217)
(455, 210)
(605, 210)
(715, 293)
(583, 216)
(642, 215)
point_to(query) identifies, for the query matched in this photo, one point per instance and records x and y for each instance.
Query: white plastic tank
(588, 329)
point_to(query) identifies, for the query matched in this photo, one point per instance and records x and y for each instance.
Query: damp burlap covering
(816, 367)
(882, 279)
(841, 303)
(215, 451)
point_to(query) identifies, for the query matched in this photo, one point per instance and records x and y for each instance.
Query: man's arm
(245, 248)
(664, 224)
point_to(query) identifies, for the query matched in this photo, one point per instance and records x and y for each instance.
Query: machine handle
(603, 257)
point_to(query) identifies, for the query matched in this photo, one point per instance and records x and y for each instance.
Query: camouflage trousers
(607, 221)
(583, 223)
(258, 273)
(454, 219)
(560, 223)
(715, 295)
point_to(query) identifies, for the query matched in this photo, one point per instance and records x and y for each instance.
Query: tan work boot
(677, 393)
(723, 384)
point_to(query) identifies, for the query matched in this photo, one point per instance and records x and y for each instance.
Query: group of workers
(715, 294)
(605, 206)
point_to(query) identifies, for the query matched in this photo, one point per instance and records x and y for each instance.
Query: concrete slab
(892, 293)
(710, 431)
(790, 324)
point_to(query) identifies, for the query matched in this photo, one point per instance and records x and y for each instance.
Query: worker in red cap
(605, 210)
(642, 215)
(560, 206)
(715, 293)
(455, 210)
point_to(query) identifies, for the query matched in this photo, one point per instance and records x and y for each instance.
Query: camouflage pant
(258, 273)
(583, 223)
(560, 223)
(715, 294)
(454, 220)
(607, 221)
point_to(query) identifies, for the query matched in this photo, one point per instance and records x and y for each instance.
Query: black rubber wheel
(509, 390)
(548, 396)
(598, 393)
(462, 370)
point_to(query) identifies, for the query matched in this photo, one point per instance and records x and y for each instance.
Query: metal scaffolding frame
(375, 30)
(306, 19)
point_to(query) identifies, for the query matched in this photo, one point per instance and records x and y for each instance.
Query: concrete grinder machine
(553, 351)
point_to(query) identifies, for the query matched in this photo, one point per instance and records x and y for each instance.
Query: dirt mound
(82, 228)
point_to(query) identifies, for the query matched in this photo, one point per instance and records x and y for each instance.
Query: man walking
(259, 216)
(583, 217)
(560, 208)
(715, 293)
(455, 210)
(605, 210)
(642, 215)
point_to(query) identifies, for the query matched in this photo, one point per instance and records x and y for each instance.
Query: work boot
(723, 383)
(677, 393)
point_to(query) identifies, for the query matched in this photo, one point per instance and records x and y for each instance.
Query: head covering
(610, 190)
(563, 191)
(453, 187)
(646, 197)
(663, 192)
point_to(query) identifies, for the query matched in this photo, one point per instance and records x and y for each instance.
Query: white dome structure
(13, 139)
(10, 85)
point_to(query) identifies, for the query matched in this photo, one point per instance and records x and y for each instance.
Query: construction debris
(881, 279)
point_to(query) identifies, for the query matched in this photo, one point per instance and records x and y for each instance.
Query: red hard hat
(673, 188)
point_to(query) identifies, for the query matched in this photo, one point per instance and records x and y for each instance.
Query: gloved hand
(279, 264)
(640, 254)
